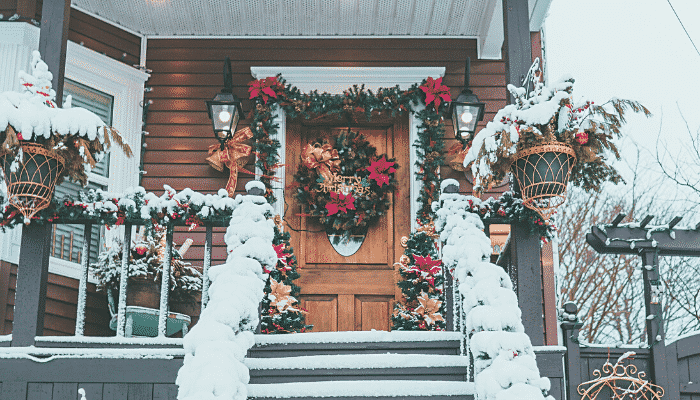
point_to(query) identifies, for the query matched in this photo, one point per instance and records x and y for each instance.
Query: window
(114, 91)
(67, 240)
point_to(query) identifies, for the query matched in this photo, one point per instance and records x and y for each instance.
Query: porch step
(363, 389)
(373, 365)
(369, 342)
(418, 367)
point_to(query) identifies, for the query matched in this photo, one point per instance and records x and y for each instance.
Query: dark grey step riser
(300, 353)
(312, 349)
(457, 374)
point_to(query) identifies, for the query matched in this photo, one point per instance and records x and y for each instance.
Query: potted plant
(145, 268)
(545, 140)
(40, 144)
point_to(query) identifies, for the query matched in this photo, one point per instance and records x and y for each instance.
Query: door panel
(372, 312)
(323, 312)
(355, 292)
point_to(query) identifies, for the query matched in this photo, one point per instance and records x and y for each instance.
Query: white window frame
(126, 85)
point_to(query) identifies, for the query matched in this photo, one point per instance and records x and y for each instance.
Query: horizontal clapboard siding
(104, 38)
(61, 300)
(9, 8)
(187, 72)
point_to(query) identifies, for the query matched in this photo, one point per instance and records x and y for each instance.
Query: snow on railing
(186, 208)
(504, 360)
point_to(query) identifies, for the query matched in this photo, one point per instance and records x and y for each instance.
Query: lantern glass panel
(224, 116)
(467, 117)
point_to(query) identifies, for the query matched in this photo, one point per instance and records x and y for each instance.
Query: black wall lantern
(467, 110)
(225, 109)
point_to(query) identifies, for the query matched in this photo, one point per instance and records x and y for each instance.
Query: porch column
(33, 268)
(525, 258)
(32, 276)
(516, 42)
(53, 39)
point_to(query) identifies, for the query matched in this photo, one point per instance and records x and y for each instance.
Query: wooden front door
(356, 292)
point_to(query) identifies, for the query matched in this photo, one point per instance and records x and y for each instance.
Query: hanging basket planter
(542, 173)
(30, 187)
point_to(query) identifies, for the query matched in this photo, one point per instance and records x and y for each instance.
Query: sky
(634, 49)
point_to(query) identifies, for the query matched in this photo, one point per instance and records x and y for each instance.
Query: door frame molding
(336, 79)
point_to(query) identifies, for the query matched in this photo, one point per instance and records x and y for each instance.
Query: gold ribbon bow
(456, 155)
(323, 158)
(234, 156)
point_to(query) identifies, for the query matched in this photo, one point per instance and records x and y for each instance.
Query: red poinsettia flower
(427, 264)
(264, 88)
(282, 255)
(340, 202)
(582, 138)
(380, 170)
(435, 92)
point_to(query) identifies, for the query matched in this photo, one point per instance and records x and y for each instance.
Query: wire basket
(542, 173)
(31, 186)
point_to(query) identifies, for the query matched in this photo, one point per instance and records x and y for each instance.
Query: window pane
(67, 240)
(99, 103)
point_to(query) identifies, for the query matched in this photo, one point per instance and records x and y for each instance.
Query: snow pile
(216, 346)
(504, 361)
(34, 115)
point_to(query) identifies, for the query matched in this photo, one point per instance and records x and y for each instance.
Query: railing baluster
(82, 287)
(165, 283)
(53, 242)
(70, 247)
(121, 307)
(63, 241)
(207, 264)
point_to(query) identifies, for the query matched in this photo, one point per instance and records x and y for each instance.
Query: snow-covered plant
(146, 262)
(216, 346)
(504, 361)
(549, 114)
(76, 135)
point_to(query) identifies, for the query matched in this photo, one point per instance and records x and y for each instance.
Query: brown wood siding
(104, 38)
(61, 300)
(8, 8)
(187, 72)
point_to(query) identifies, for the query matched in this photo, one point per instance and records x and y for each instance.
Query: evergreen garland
(291, 318)
(271, 93)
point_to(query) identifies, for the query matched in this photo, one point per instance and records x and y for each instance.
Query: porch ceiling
(480, 19)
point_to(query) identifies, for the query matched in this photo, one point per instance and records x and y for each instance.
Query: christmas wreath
(345, 183)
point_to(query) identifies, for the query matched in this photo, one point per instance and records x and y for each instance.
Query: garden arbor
(649, 242)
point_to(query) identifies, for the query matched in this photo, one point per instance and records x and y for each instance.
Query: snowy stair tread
(361, 389)
(346, 367)
(358, 361)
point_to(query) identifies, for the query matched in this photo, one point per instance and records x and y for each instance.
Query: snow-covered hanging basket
(31, 181)
(542, 173)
